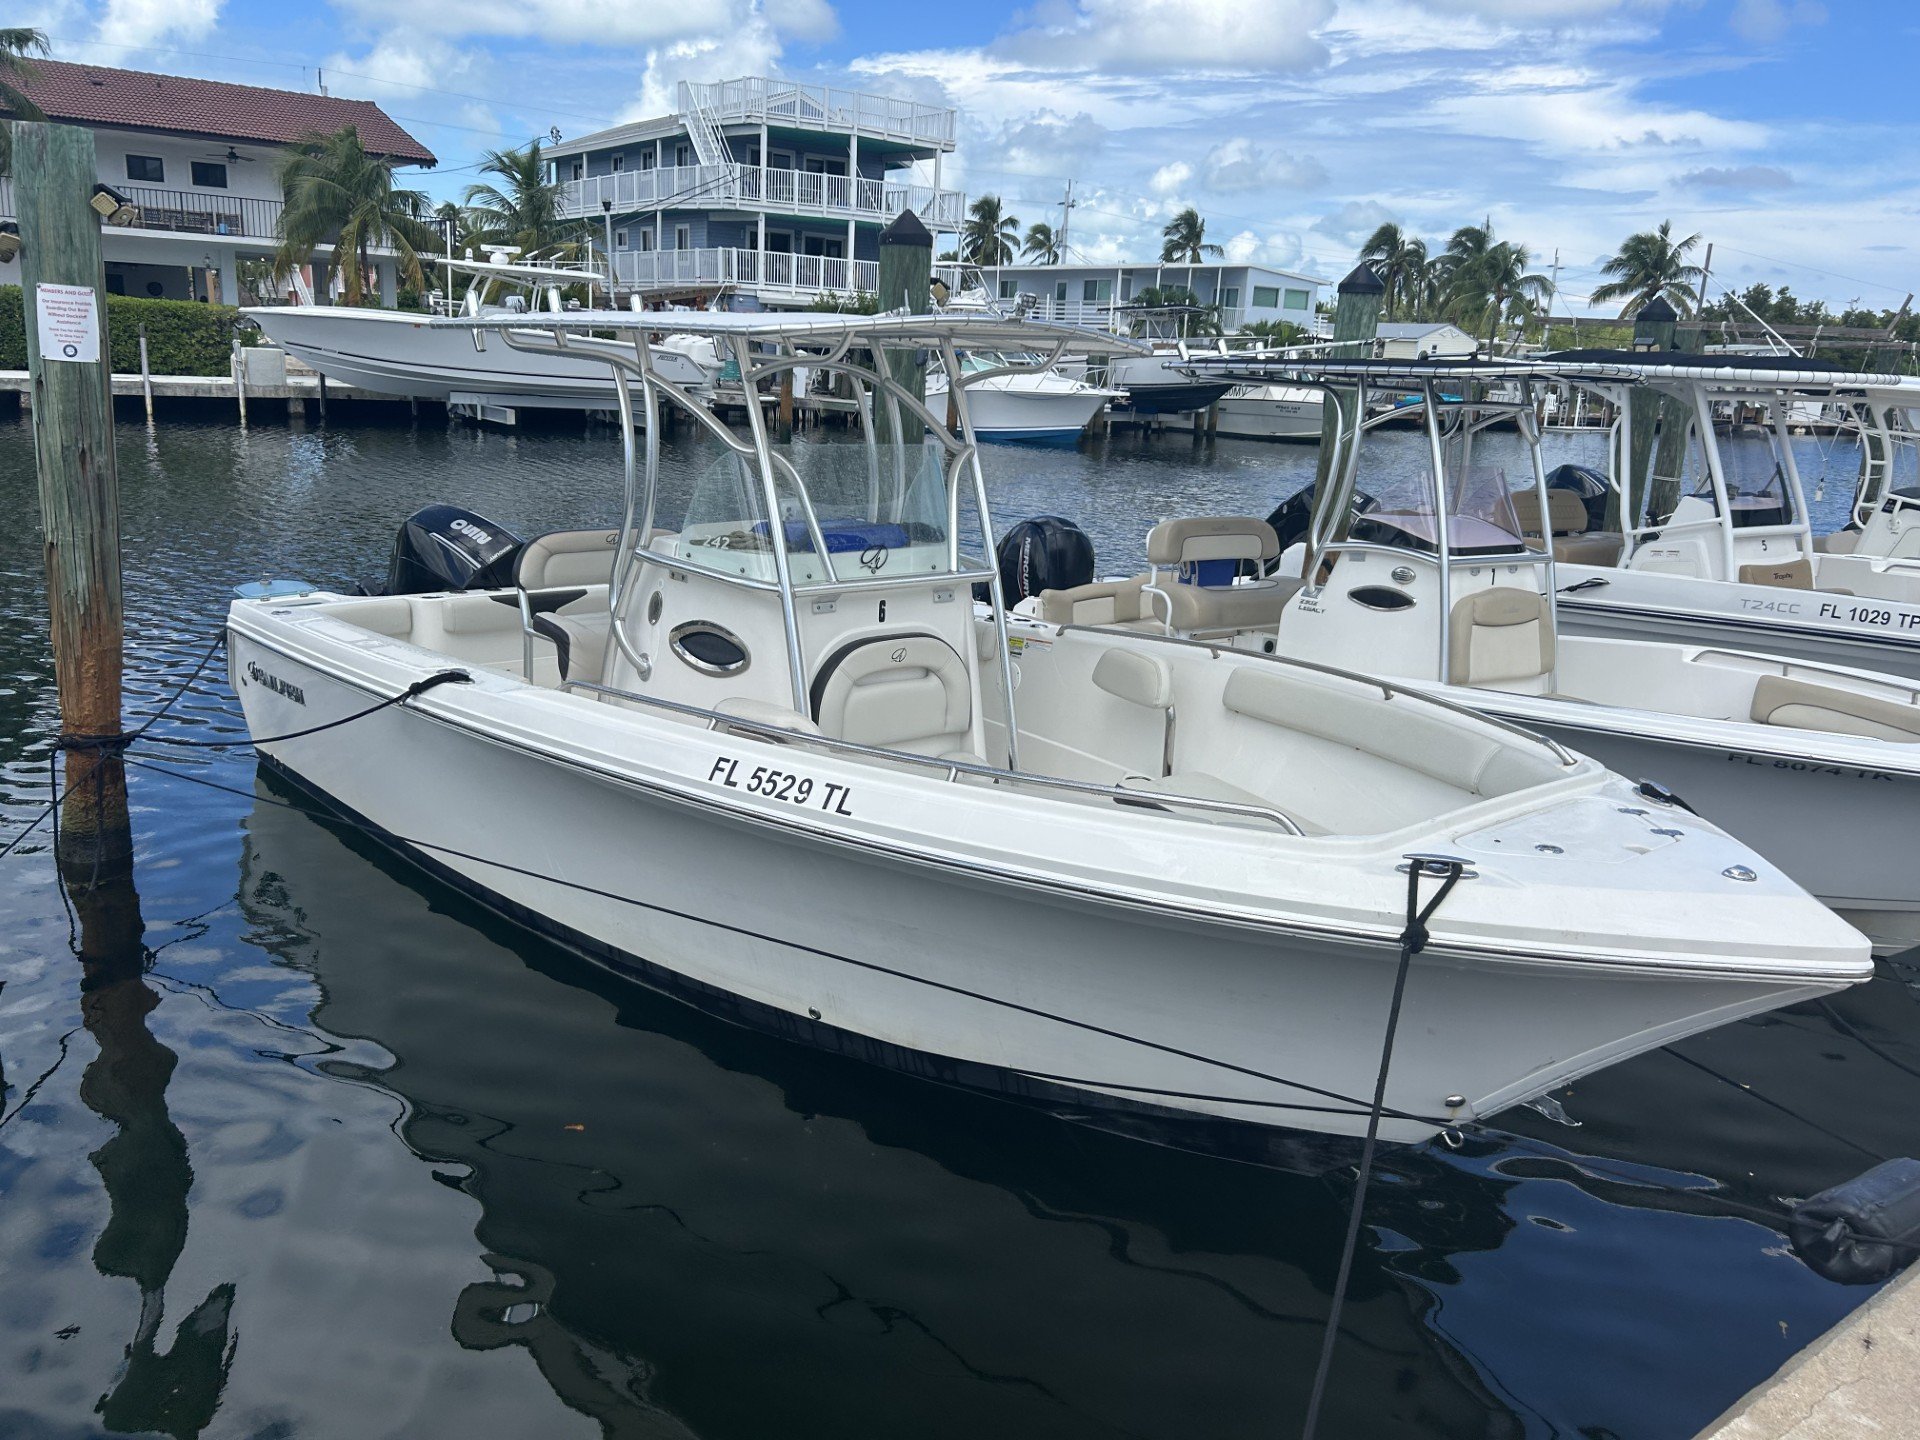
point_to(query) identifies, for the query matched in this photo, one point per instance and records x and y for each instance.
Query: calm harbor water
(312, 1147)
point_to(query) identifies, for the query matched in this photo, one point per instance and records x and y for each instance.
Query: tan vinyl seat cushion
(1144, 680)
(566, 558)
(1248, 605)
(1505, 633)
(1788, 574)
(896, 692)
(1600, 548)
(1105, 602)
(1566, 512)
(766, 714)
(1212, 537)
(1199, 785)
(1803, 705)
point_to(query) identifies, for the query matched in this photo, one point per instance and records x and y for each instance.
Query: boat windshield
(843, 517)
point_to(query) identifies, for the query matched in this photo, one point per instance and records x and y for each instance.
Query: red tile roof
(93, 95)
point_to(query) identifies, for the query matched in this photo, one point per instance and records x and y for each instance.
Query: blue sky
(1776, 129)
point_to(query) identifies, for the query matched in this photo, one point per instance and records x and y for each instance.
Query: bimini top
(816, 330)
(1304, 369)
(1742, 371)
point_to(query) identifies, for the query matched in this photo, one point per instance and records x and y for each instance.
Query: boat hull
(393, 354)
(1048, 416)
(960, 973)
(1252, 413)
(1825, 628)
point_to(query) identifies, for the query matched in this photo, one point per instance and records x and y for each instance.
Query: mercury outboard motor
(1292, 518)
(1044, 553)
(443, 547)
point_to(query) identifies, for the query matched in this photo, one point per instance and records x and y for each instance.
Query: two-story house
(1081, 293)
(764, 193)
(196, 158)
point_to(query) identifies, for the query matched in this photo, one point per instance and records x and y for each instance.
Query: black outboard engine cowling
(1044, 553)
(1292, 518)
(1589, 484)
(443, 547)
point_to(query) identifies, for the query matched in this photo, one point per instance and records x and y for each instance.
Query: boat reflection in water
(694, 1228)
(146, 1173)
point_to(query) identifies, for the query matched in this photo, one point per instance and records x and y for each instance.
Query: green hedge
(183, 336)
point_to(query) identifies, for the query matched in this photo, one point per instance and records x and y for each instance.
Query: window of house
(646, 239)
(683, 237)
(1060, 292)
(683, 154)
(620, 240)
(1090, 291)
(619, 162)
(579, 169)
(1296, 299)
(782, 160)
(146, 167)
(1126, 290)
(1266, 297)
(753, 153)
(1009, 289)
(1230, 297)
(210, 173)
(649, 160)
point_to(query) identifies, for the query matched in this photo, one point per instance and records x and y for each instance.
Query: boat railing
(1120, 795)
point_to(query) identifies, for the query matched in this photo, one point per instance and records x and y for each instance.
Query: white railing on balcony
(792, 192)
(758, 99)
(194, 212)
(772, 271)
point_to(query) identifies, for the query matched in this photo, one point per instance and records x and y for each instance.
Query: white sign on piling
(69, 317)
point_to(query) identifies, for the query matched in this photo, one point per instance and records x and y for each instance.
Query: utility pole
(64, 293)
(1066, 219)
(1706, 269)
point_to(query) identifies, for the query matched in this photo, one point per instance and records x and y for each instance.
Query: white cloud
(401, 66)
(593, 22)
(1739, 177)
(1156, 36)
(1355, 220)
(138, 23)
(1239, 164)
(1764, 21)
(1170, 178)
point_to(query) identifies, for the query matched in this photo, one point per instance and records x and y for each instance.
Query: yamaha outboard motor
(1044, 553)
(446, 548)
(1292, 518)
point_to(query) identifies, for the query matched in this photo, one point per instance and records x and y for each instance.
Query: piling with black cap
(906, 277)
(1356, 323)
(1654, 471)
(1655, 327)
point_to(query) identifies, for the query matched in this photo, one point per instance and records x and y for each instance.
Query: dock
(297, 388)
(1861, 1378)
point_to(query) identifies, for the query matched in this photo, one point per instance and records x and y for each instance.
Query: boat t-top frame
(874, 353)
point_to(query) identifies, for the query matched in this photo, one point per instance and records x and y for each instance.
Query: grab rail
(1387, 688)
(954, 768)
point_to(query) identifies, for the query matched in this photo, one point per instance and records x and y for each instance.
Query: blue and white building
(763, 192)
(1079, 293)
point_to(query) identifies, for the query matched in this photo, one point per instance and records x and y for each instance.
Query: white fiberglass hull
(391, 353)
(1270, 412)
(1047, 408)
(1824, 627)
(1114, 958)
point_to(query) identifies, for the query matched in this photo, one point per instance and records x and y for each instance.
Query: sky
(1771, 128)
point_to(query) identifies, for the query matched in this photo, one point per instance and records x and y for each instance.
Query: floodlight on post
(113, 207)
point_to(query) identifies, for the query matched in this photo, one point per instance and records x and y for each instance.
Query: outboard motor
(1589, 484)
(1044, 553)
(443, 547)
(1292, 518)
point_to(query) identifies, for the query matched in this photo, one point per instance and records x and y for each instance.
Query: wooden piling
(64, 292)
(784, 430)
(906, 277)
(240, 380)
(323, 399)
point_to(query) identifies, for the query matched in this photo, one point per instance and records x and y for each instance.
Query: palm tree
(989, 235)
(1482, 281)
(16, 45)
(1042, 243)
(1400, 260)
(1184, 239)
(339, 195)
(1651, 264)
(523, 209)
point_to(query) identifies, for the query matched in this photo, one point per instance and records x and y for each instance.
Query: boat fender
(1044, 553)
(1860, 1232)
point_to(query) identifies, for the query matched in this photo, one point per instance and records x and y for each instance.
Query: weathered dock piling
(906, 278)
(1356, 321)
(69, 362)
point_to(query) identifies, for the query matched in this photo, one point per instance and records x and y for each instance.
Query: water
(340, 1154)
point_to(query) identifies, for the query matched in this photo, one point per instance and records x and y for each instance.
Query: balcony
(189, 212)
(768, 274)
(753, 187)
(758, 100)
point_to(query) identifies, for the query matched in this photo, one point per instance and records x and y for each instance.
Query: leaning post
(1356, 322)
(69, 364)
(906, 279)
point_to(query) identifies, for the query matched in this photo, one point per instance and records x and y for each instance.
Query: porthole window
(709, 648)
